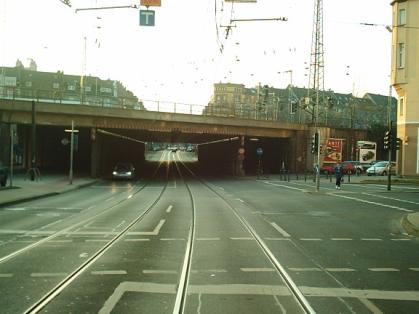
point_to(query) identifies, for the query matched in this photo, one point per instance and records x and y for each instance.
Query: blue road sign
(147, 18)
(259, 151)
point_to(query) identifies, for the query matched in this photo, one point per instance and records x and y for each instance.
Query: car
(123, 170)
(4, 173)
(327, 168)
(381, 168)
(352, 167)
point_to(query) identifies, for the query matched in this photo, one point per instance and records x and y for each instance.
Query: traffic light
(397, 143)
(387, 140)
(315, 143)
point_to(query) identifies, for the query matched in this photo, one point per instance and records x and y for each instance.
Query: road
(183, 244)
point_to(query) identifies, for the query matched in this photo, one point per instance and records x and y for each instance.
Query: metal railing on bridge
(107, 100)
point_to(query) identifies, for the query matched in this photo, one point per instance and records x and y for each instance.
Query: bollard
(305, 176)
(288, 176)
(349, 177)
(330, 179)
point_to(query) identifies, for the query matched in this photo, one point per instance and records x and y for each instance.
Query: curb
(409, 227)
(40, 196)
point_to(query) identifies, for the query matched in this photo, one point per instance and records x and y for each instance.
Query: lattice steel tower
(316, 79)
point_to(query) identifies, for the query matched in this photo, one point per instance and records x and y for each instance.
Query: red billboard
(333, 151)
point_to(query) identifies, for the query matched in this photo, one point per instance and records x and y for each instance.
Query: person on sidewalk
(338, 175)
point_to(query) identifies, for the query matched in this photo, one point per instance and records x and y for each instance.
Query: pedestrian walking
(338, 175)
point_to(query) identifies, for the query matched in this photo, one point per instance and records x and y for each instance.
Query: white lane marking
(96, 240)
(371, 306)
(391, 198)
(311, 239)
(169, 209)
(60, 241)
(332, 270)
(371, 239)
(240, 200)
(161, 271)
(172, 239)
(109, 199)
(6, 275)
(48, 274)
(91, 207)
(245, 289)
(283, 310)
(285, 186)
(15, 208)
(400, 239)
(84, 255)
(108, 272)
(414, 269)
(280, 230)
(304, 269)
(129, 196)
(370, 202)
(341, 239)
(196, 271)
(383, 269)
(120, 225)
(242, 238)
(137, 240)
(257, 269)
(198, 310)
(277, 239)
(155, 232)
(208, 239)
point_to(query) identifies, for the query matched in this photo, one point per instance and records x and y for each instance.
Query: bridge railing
(109, 100)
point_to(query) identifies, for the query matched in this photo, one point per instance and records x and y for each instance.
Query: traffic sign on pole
(151, 3)
(259, 151)
(147, 18)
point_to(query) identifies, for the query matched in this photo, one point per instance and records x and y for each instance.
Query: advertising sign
(333, 150)
(151, 3)
(367, 151)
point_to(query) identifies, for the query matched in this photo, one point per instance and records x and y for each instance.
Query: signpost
(259, 153)
(147, 18)
(72, 131)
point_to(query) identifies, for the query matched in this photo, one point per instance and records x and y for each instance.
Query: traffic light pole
(390, 149)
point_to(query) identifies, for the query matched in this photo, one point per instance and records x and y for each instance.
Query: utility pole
(316, 79)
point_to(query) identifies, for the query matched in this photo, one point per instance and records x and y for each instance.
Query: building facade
(405, 80)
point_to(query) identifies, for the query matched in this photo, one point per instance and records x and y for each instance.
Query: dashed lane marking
(172, 239)
(108, 272)
(6, 275)
(285, 186)
(341, 239)
(337, 270)
(277, 239)
(48, 274)
(262, 269)
(159, 272)
(137, 240)
(414, 269)
(169, 209)
(391, 198)
(208, 239)
(383, 269)
(243, 238)
(280, 230)
(304, 269)
(371, 239)
(400, 239)
(311, 239)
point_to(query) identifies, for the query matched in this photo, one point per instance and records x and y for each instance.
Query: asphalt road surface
(179, 243)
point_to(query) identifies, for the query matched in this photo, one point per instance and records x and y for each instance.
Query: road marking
(59, 241)
(208, 239)
(373, 203)
(196, 271)
(48, 274)
(109, 199)
(371, 306)
(311, 239)
(129, 196)
(371, 239)
(240, 200)
(341, 239)
(118, 226)
(156, 271)
(285, 186)
(84, 255)
(277, 239)
(137, 240)
(96, 240)
(15, 208)
(172, 239)
(155, 232)
(391, 198)
(108, 272)
(257, 269)
(245, 289)
(244, 238)
(6, 275)
(414, 269)
(280, 230)
(169, 209)
(383, 269)
(400, 239)
(340, 269)
(305, 269)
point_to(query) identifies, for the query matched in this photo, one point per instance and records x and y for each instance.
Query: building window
(218, 99)
(55, 85)
(402, 17)
(87, 88)
(401, 106)
(71, 87)
(28, 84)
(400, 55)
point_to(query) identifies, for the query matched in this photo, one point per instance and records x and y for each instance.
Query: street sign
(146, 18)
(259, 151)
(151, 3)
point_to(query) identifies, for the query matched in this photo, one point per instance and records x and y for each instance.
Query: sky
(187, 51)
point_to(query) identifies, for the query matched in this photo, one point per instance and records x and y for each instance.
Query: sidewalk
(24, 190)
